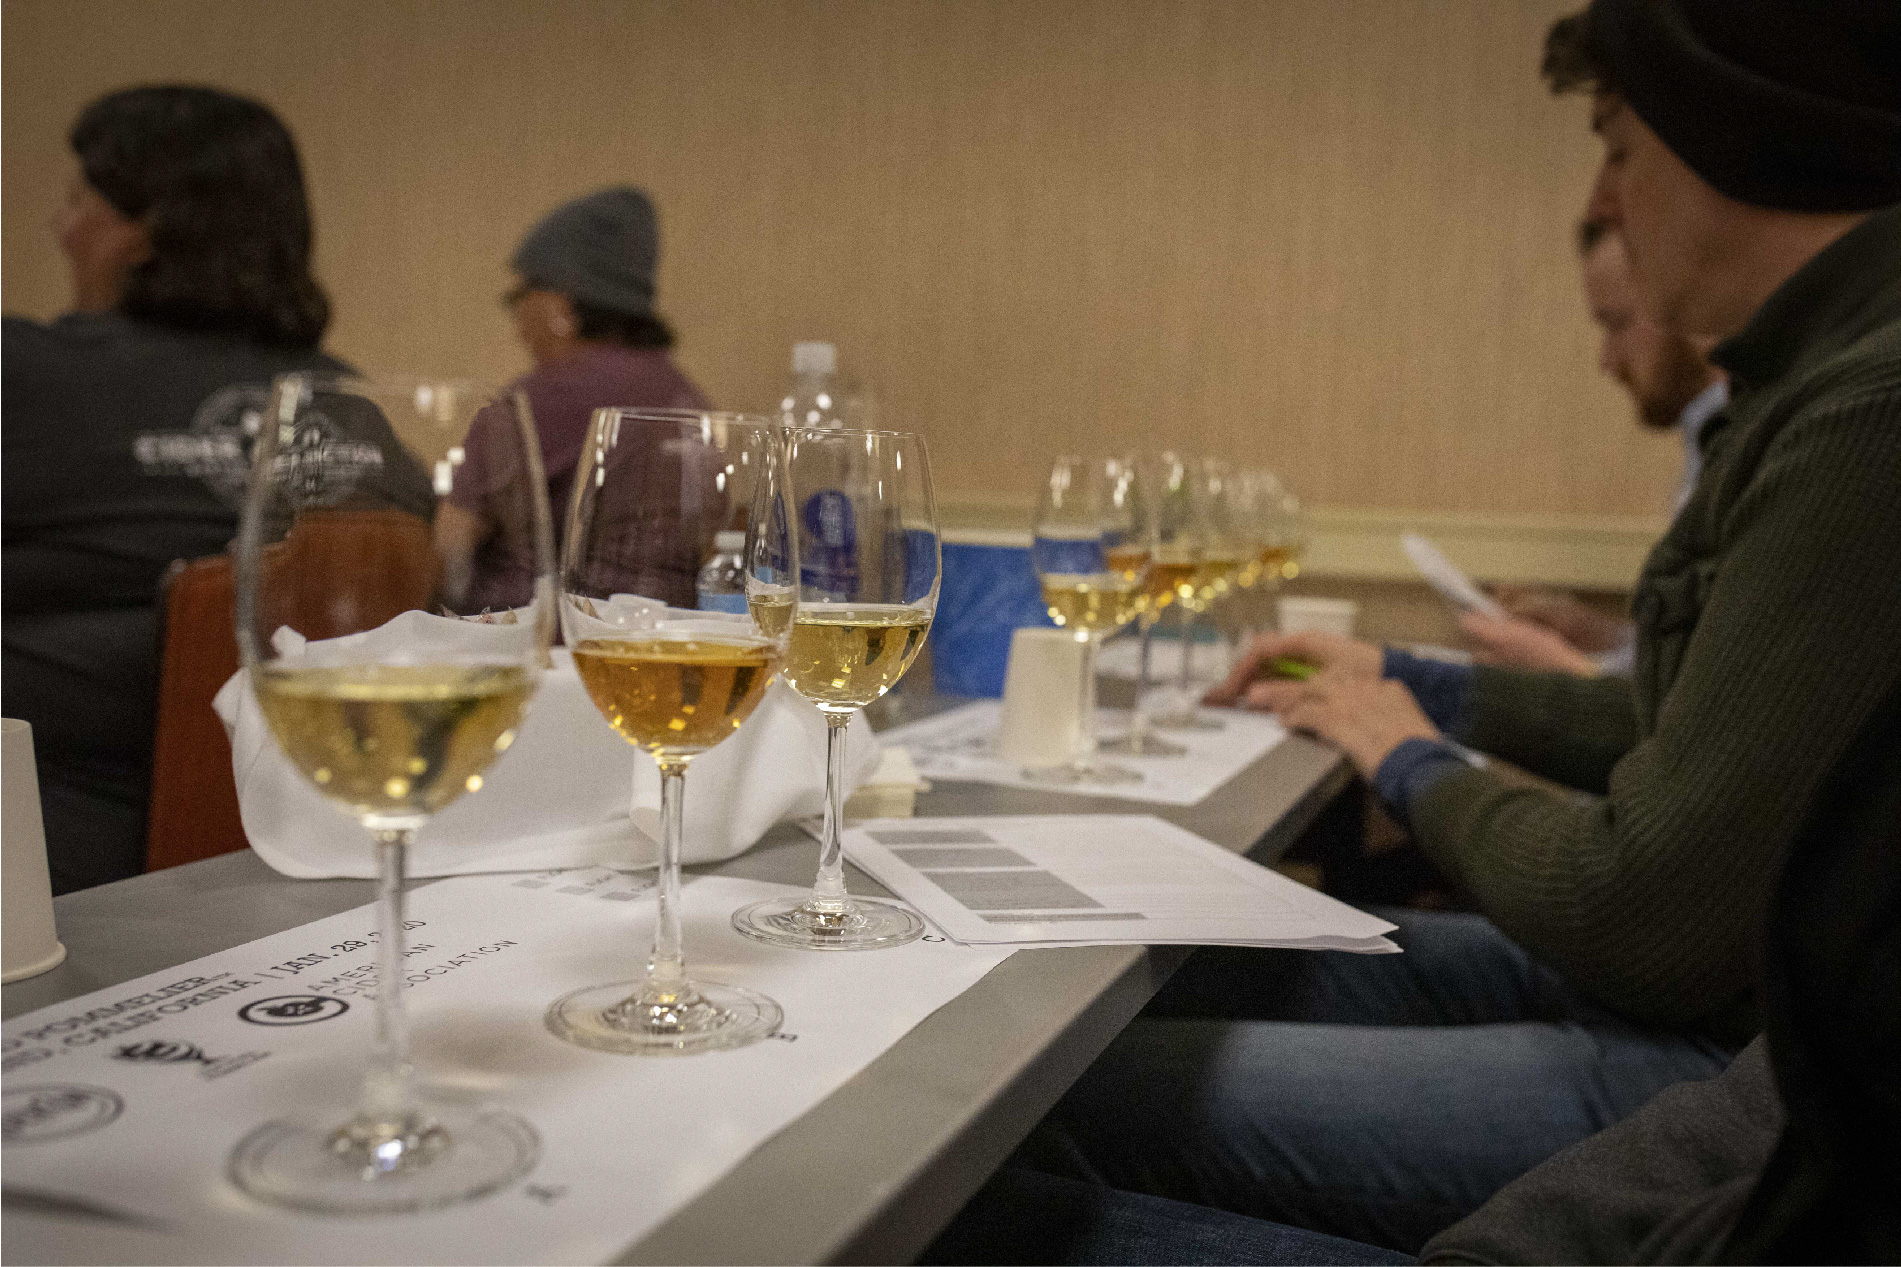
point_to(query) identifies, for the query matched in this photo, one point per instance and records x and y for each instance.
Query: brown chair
(391, 568)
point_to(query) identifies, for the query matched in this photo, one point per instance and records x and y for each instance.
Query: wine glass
(1198, 501)
(1291, 535)
(870, 560)
(391, 725)
(654, 491)
(1173, 546)
(1254, 500)
(1092, 563)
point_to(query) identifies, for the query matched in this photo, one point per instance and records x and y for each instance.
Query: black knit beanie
(1791, 104)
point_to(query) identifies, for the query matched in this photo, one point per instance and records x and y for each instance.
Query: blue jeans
(1024, 1216)
(1379, 1098)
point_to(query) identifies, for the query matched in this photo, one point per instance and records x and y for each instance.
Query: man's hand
(1584, 627)
(1342, 657)
(1523, 644)
(1366, 717)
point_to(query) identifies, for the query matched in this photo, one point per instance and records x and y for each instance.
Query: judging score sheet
(961, 744)
(1099, 879)
(121, 1106)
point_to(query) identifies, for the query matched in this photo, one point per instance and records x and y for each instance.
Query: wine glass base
(454, 1153)
(867, 924)
(1142, 746)
(624, 1018)
(1185, 721)
(1095, 773)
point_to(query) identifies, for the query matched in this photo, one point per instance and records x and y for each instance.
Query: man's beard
(1681, 375)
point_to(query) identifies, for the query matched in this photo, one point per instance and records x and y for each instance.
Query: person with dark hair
(214, 187)
(1752, 166)
(1674, 386)
(583, 307)
(128, 422)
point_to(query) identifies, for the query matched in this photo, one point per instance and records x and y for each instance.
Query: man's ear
(134, 246)
(561, 318)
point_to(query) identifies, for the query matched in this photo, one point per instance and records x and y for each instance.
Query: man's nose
(1602, 205)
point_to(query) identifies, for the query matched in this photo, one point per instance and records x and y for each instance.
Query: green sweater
(1768, 626)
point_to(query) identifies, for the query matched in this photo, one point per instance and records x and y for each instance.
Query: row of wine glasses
(841, 578)
(1120, 540)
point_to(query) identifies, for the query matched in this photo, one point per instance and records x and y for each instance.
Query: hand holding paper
(1452, 585)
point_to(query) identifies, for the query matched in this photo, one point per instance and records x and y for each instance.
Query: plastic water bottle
(819, 395)
(723, 579)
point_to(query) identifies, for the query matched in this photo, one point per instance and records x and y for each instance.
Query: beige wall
(1330, 234)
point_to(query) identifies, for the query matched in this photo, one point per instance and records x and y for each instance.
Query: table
(950, 1100)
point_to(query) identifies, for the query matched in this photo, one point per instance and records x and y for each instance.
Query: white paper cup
(1042, 698)
(30, 942)
(1318, 615)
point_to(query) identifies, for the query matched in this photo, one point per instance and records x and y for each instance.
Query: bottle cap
(729, 541)
(814, 358)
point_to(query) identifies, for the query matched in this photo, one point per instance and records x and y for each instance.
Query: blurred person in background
(1752, 166)
(583, 307)
(128, 421)
(1674, 386)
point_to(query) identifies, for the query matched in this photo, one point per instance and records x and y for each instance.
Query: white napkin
(559, 797)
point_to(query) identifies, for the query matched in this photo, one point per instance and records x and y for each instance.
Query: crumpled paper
(568, 793)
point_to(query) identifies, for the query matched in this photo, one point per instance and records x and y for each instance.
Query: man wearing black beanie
(1752, 164)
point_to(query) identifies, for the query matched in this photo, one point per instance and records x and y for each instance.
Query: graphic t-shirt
(125, 447)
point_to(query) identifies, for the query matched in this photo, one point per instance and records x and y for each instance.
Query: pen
(1299, 670)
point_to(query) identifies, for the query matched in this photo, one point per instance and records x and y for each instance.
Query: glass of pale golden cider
(1166, 528)
(1091, 547)
(870, 565)
(1199, 505)
(658, 496)
(394, 574)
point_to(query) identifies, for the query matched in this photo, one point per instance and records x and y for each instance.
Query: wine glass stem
(1188, 647)
(1086, 740)
(829, 893)
(666, 969)
(1139, 720)
(387, 1102)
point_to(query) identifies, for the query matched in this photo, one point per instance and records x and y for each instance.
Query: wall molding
(1594, 552)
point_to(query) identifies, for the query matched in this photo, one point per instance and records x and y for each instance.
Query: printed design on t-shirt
(318, 466)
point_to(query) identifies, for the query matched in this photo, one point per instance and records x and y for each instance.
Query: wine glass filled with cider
(869, 568)
(1164, 550)
(1200, 504)
(376, 511)
(655, 493)
(1091, 549)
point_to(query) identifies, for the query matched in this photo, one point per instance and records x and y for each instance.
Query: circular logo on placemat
(292, 1009)
(31, 1115)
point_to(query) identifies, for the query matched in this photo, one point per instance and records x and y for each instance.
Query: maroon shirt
(564, 396)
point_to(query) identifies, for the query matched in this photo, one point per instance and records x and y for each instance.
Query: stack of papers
(1099, 879)
(962, 745)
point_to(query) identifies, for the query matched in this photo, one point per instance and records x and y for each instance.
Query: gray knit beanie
(601, 249)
